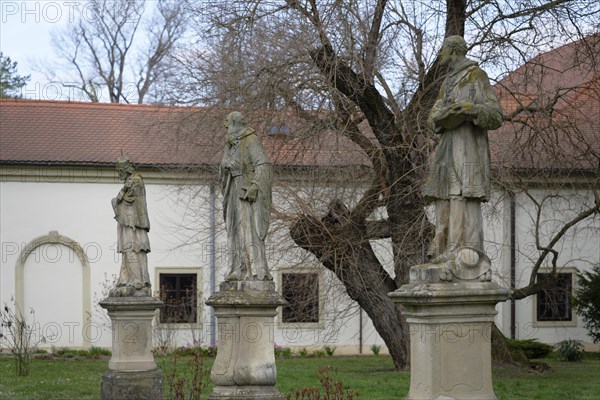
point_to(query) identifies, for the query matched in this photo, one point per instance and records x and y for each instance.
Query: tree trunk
(343, 249)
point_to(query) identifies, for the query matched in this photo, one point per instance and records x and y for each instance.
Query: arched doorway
(53, 278)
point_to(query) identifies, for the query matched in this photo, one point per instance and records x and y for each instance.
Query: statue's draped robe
(460, 168)
(133, 226)
(247, 223)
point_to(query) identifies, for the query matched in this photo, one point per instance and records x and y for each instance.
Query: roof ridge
(73, 104)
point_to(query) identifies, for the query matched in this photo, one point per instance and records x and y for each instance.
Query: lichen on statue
(246, 184)
(458, 179)
(133, 225)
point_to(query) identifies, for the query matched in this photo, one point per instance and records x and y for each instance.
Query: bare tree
(115, 46)
(368, 71)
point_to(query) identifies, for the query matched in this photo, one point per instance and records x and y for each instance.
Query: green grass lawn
(372, 377)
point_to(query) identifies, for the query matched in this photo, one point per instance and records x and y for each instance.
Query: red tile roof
(57, 132)
(568, 136)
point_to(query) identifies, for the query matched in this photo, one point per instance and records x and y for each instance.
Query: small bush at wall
(530, 347)
(329, 350)
(570, 350)
(283, 352)
(375, 349)
(303, 352)
(190, 350)
(318, 354)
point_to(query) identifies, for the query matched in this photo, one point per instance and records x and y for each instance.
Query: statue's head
(124, 167)
(235, 119)
(453, 49)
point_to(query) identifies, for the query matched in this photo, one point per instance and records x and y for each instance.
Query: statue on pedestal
(133, 225)
(246, 183)
(245, 368)
(458, 181)
(459, 174)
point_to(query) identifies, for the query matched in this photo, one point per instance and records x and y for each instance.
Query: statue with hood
(458, 179)
(246, 184)
(133, 225)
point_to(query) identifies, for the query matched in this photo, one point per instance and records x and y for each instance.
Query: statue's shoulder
(250, 138)
(477, 73)
(136, 179)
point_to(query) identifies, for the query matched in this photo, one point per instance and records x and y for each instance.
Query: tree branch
(371, 45)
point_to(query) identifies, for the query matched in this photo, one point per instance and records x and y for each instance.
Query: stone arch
(53, 237)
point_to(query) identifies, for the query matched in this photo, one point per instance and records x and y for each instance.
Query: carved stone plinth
(245, 364)
(133, 373)
(451, 328)
(117, 385)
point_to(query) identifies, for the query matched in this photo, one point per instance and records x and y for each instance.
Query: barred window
(554, 304)
(301, 290)
(179, 294)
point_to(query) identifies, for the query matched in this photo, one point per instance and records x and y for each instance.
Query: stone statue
(246, 181)
(133, 226)
(459, 174)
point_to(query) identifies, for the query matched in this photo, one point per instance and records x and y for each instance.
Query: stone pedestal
(245, 364)
(133, 373)
(450, 324)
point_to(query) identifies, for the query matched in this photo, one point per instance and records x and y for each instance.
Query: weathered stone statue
(246, 182)
(460, 315)
(245, 367)
(133, 226)
(132, 371)
(459, 174)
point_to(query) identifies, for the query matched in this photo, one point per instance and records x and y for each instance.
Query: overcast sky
(25, 28)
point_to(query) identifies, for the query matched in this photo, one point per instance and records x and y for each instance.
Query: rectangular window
(301, 290)
(554, 304)
(179, 291)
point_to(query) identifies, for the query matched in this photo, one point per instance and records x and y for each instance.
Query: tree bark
(344, 249)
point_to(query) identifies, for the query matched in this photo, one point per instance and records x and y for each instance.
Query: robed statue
(458, 179)
(133, 225)
(246, 185)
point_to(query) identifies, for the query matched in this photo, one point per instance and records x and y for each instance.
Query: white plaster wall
(82, 212)
(579, 249)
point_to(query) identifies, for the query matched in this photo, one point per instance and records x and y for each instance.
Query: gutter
(360, 330)
(513, 260)
(211, 250)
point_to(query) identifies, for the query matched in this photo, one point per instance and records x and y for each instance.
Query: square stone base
(141, 385)
(244, 368)
(450, 338)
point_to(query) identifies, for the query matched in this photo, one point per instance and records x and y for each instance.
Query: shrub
(188, 382)
(318, 354)
(530, 347)
(570, 350)
(283, 352)
(18, 334)
(586, 301)
(303, 352)
(375, 349)
(329, 350)
(331, 388)
(190, 350)
(99, 351)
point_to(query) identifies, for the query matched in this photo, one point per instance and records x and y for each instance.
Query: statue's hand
(464, 108)
(231, 165)
(251, 194)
